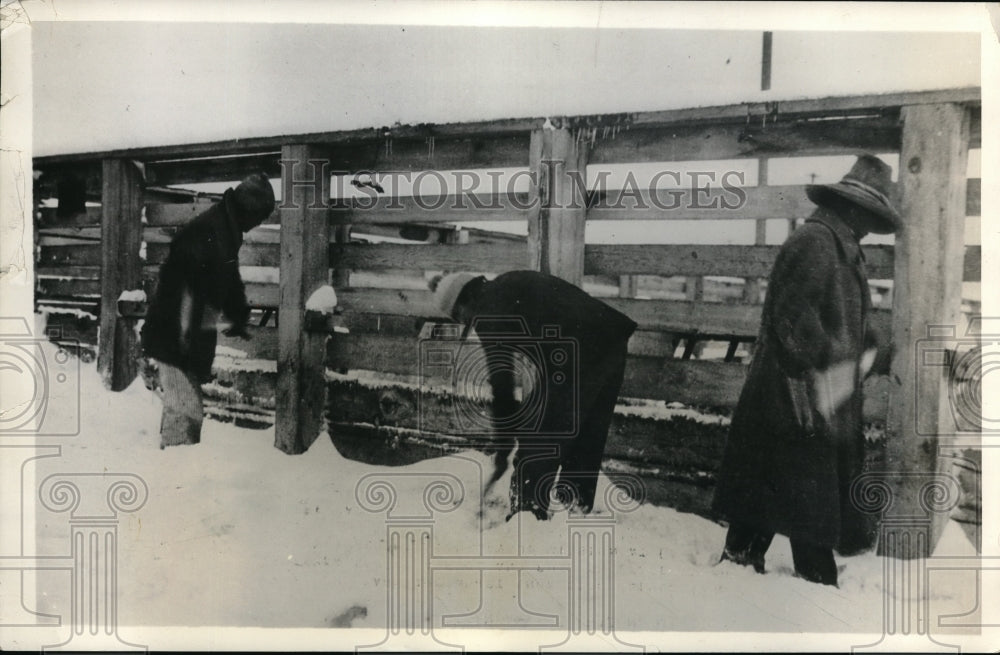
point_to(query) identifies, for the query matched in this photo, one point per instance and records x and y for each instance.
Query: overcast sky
(102, 85)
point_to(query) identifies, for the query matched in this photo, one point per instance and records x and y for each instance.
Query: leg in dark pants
(814, 563)
(536, 464)
(581, 463)
(747, 545)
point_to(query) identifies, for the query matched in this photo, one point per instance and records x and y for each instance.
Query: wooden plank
(167, 214)
(48, 217)
(702, 203)
(737, 140)
(700, 383)
(305, 266)
(828, 106)
(501, 128)
(213, 169)
(77, 287)
(434, 153)
(695, 202)
(399, 355)
(558, 217)
(812, 107)
(972, 268)
(404, 302)
(488, 257)
(121, 269)
(765, 62)
(974, 197)
(927, 292)
(65, 272)
(262, 295)
(734, 261)
(753, 288)
(161, 194)
(263, 342)
(666, 260)
(464, 207)
(77, 255)
(708, 320)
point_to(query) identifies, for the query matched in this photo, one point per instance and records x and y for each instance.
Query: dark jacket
(542, 301)
(199, 279)
(545, 300)
(779, 473)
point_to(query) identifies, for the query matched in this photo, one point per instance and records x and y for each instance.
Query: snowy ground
(236, 533)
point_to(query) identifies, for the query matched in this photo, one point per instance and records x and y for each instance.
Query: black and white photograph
(525, 326)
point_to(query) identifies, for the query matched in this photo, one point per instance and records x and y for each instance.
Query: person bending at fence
(578, 345)
(796, 439)
(199, 281)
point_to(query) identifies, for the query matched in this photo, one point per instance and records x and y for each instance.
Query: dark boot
(814, 563)
(746, 546)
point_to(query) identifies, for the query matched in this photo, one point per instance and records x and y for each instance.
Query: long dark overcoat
(776, 474)
(199, 279)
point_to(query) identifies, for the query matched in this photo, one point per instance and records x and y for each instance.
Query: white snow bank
(662, 411)
(323, 300)
(236, 533)
(132, 295)
(240, 362)
(45, 309)
(226, 351)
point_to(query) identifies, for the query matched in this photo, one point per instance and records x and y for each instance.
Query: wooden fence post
(558, 218)
(751, 292)
(929, 254)
(304, 267)
(121, 270)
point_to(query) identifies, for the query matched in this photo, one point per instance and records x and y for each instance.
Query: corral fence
(105, 220)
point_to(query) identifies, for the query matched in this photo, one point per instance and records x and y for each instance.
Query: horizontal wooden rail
(731, 202)
(493, 257)
(734, 261)
(780, 111)
(666, 260)
(756, 136)
(725, 203)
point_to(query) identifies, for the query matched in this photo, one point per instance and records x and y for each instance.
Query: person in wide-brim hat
(796, 441)
(869, 185)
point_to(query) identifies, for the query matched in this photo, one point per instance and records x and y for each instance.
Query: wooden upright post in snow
(304, 267)
(929, 254)
(558, 219)
(121, 270)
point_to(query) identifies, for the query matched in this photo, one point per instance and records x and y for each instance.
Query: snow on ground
(237, 533)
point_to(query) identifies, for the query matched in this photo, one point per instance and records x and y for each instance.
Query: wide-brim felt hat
(868, 185)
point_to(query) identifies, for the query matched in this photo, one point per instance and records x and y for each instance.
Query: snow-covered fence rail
(79, 268)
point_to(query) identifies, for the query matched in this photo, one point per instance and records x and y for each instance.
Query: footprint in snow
(346, 618)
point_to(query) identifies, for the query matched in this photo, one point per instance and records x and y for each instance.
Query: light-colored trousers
(182, 409)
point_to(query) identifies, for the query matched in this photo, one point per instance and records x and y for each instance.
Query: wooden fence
(88, 255)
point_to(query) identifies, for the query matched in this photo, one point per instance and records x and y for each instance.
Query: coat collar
(846, 240)
(234, 228)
